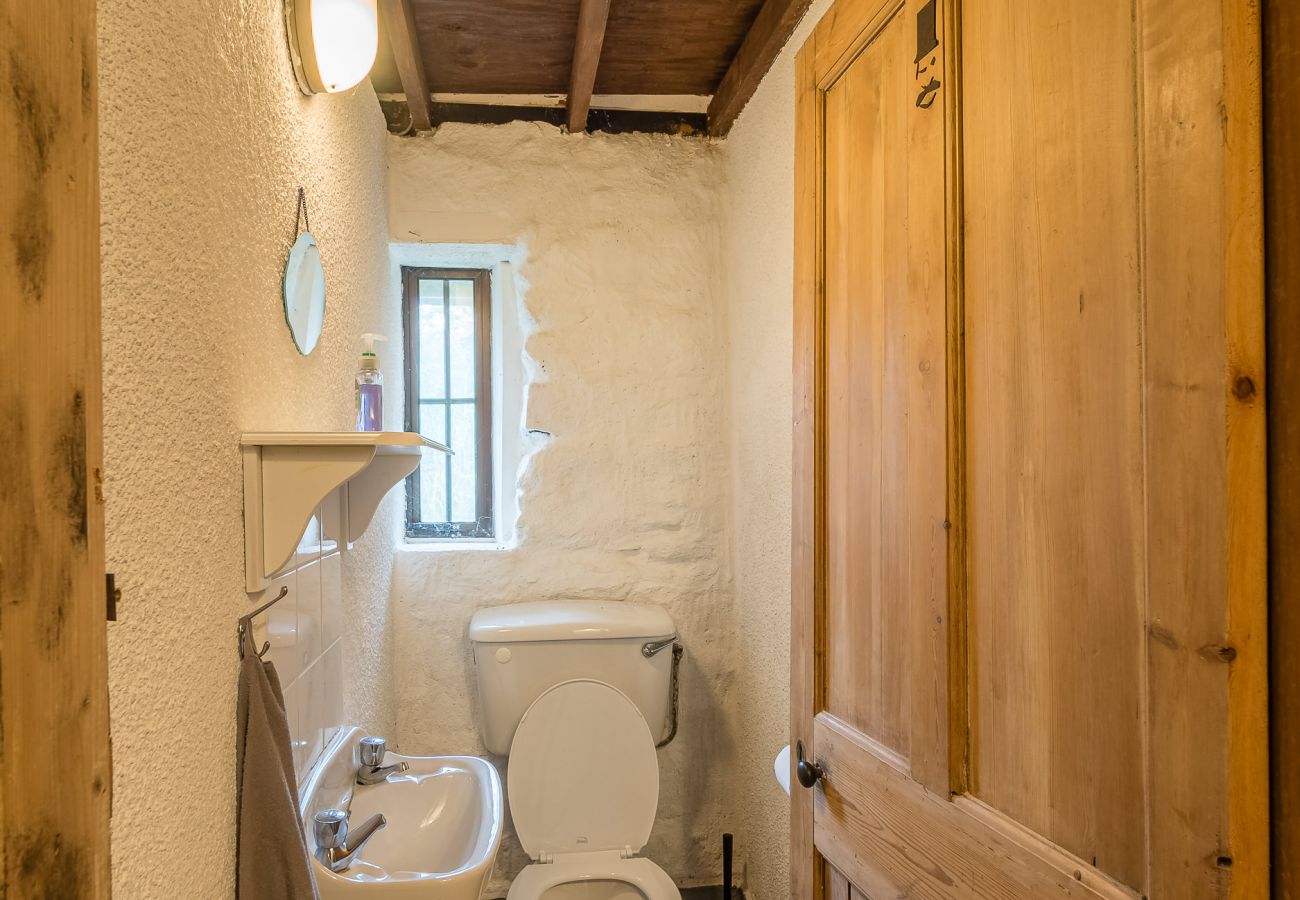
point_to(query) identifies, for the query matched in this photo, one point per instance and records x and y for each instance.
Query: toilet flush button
(503, 654)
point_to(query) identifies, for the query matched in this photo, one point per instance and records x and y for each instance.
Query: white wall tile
(312, 721)
(331, 606)
(331, 518)
(308, 606)
(333, 706)
(279, 626)
(304, 630)
(295, 702)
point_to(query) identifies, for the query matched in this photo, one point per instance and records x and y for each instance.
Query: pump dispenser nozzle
(369, 359)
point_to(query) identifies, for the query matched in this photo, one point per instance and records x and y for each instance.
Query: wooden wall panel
(55, 779)
(1054, 423)
(868, 470)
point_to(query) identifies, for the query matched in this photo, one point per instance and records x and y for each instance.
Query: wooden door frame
(56, 783)
(1282, 276)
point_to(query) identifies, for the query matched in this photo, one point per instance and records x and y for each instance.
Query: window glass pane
(433, 421)
(464, 463)
(461, 314)
(441, 314)
(433, 488)
(433, 347)
(433, 464)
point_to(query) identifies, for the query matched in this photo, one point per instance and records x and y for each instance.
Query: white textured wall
(205, 139)
(627, 498)
(758, 268)
(658, 273)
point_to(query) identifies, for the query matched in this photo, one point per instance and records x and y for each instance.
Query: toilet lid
(582, 772)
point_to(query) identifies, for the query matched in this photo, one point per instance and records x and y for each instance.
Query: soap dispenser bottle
(370, 387)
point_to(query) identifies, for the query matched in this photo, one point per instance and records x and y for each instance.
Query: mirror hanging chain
(300, 221)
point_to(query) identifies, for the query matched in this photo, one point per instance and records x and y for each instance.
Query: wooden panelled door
(55, 778)
(1029, 514)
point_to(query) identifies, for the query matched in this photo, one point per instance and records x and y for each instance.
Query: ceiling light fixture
(332, 43)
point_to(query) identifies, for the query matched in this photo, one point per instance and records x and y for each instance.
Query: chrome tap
(372, 770)
(333, 848)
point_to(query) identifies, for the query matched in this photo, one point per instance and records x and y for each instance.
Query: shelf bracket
(287, 476)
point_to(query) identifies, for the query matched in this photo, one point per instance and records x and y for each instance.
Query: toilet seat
(583, 783)
(573, 868)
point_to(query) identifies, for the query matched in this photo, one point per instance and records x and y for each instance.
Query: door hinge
(112, 595)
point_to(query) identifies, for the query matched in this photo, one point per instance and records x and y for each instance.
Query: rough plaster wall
(204, 140)
(758, 269)
(627, 498)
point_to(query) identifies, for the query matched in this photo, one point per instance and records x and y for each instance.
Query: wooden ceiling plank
(775, 23)
(399, 18)
(593, 16)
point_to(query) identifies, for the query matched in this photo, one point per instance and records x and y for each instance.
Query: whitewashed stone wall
(626, 498)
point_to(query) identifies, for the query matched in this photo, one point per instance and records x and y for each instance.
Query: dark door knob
(808, 772)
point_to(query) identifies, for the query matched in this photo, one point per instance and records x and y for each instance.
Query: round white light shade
(336, 42)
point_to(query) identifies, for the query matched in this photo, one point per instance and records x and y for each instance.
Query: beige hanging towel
(272, 858)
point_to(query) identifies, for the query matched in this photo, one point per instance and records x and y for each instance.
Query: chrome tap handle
(330, 828)
(373, 750)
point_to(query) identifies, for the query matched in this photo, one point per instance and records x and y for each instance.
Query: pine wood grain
(892, 838)
(1100, 673)
(1204, 404)
(806, 514)
(1054, 423)
(866, 432)
(53, 667)
(1282, 192)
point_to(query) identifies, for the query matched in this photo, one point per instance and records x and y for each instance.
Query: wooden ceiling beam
(775, 23)
(592, 18)
(399, 20)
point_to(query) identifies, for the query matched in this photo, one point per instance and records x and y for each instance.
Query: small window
(446, 314)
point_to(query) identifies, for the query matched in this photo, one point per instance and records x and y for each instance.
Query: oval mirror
(304, 293)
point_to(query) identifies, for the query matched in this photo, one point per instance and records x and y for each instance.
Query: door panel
(1027, 594)
(867, 678)
(893, 838)
(1054, 424)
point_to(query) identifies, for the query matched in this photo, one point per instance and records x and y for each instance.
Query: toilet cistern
(579, 693)
(372, 770)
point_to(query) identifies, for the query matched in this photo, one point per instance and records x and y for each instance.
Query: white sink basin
(444, 825)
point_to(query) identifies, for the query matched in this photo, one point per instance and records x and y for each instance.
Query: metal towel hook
(246, 622)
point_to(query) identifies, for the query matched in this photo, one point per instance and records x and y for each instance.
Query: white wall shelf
(288, 474)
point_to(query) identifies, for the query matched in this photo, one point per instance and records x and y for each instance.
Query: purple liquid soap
(370, 407)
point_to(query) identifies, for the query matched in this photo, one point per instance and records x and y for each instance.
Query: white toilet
(578, 693)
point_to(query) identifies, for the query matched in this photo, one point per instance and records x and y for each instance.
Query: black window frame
(484, 525)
